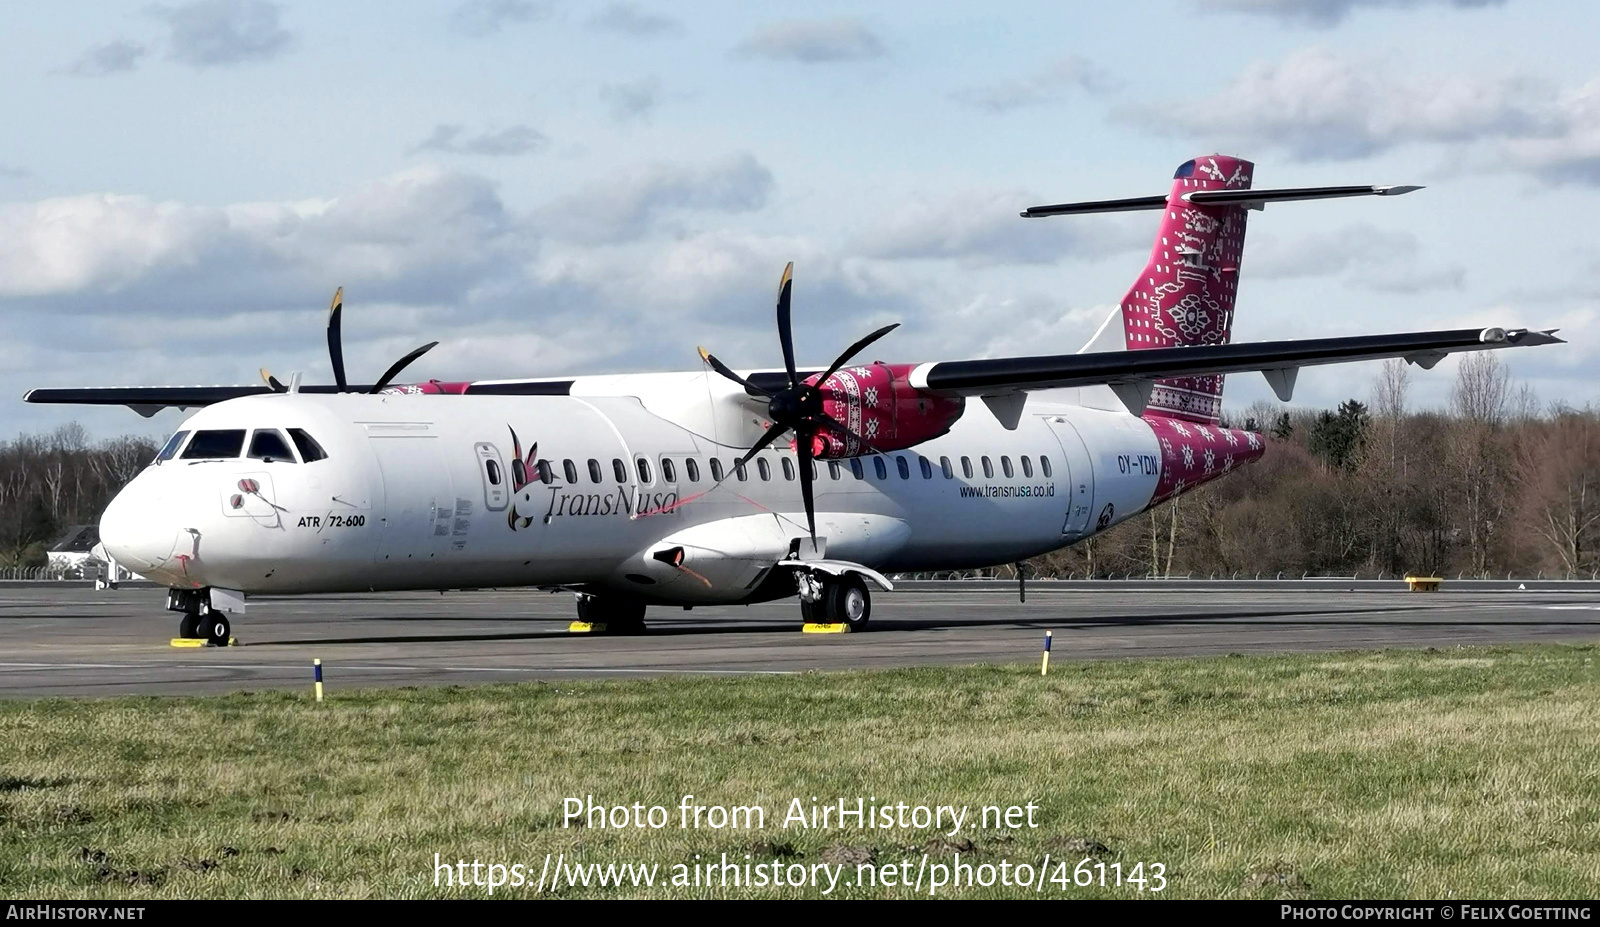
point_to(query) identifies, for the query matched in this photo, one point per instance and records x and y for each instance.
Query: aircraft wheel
(215, 629)
(189, 627)
(620, 616)
(849, 602)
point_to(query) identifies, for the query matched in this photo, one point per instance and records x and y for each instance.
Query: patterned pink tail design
(1185, 295)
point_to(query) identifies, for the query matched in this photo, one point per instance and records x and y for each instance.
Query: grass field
(1466, 773)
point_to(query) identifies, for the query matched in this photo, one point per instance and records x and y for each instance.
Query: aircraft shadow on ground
(685, 627)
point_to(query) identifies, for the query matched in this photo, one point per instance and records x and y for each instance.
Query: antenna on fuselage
(294, 382)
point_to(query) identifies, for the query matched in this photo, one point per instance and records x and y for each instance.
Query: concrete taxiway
(73, 640)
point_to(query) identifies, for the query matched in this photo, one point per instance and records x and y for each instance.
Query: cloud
(426, 233)
(814, 41)
(628, 19)
(508, 142)
(116, 57)
(12, 172)
(1325, 13)
(627, 204)
(1046, 86)
(1570, 155)
(1320, 106)
(980, 228)
(478, 18)
(214, 33)
(635, 100)
(1373, 258)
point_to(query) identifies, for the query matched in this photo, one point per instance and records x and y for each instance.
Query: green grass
(1468, 773)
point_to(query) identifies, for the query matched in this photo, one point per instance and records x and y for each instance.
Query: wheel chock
(1424, 583)
(200, 642)
(837, 628)
(586, 627)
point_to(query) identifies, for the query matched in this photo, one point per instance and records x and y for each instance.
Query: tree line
(50, 482)
(1493, 485)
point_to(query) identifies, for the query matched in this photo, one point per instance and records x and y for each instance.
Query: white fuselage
(419, 492)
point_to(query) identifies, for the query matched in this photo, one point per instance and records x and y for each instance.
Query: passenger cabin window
(855, 468)
(1027, 466)
(594, 470)
(880, 467)
(949, 471)
(212, 445)
(669, 473)
(493, 469)
(833, 469)
(903, 466)
(619, 469)
(172, 445)
(763, 468)
(788, 469)
(927, 468)
(716, 469)
(692, 468)
(545, 472)
(571, 470)
(966, 467)
(1044, 465)
(644, 469)
(309, 449)
(988, 467)
(267, 445)
(740, 471)
(1005, 465)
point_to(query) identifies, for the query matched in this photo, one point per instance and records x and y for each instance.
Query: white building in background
(77, 554)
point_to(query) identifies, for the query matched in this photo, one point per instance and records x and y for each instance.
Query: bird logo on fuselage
(523, 472)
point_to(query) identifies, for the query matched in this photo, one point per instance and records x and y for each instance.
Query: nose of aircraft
(135, 530)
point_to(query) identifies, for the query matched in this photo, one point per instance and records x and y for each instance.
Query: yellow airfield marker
(188, 642)
(316, 669)
(586, 627)
(837, 628)
(1044, 667)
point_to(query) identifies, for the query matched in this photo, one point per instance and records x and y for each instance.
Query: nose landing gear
(201, 621)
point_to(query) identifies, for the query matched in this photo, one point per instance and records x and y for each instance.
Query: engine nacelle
(877, 402)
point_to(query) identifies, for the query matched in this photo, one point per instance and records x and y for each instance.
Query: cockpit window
(173, 443)
(267, 444)
(309, 448)
(210, 445)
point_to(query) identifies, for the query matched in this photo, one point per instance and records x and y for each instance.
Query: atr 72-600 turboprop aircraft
(675, 489)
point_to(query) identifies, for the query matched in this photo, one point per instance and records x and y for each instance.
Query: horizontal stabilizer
(1244, 197)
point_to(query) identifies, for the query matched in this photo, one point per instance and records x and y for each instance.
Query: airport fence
(1009, 574)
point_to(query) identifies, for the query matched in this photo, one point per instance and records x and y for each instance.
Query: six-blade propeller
(336, 354)
(797, 407)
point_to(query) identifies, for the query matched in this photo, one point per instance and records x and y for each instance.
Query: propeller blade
(855, 349)
(772, 435)
(400, 365)
(802, 446)
(785, 334)
(335, 340)
(272, 381)
(723, 369)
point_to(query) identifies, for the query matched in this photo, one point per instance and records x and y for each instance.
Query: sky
(552, 187)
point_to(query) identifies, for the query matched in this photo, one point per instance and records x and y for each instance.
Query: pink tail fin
(1185, 295)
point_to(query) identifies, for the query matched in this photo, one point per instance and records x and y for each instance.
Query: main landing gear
(608, 614)
(201, 622)
(834, 601)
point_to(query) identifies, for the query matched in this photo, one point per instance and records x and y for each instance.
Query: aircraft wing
(148, 400)
(1132, 373)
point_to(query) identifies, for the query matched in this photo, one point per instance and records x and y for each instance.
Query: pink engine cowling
(878, 403)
